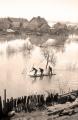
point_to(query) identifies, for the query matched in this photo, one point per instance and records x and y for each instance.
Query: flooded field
(15, 67)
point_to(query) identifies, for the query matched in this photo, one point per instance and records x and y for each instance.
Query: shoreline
(37, 103)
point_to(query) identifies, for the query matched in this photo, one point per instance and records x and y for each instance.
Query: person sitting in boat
(50, 70)
(35, 70)
(41, 71)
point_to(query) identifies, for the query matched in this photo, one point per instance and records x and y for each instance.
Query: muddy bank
(69, 112)
(44, 115)
(38, 108)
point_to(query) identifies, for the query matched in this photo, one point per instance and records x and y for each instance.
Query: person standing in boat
(41, 71)
(50, 70)
(35, 70)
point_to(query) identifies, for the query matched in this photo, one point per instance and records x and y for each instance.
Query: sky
(52, 10)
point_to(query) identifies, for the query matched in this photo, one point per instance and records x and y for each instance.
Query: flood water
(15, 69)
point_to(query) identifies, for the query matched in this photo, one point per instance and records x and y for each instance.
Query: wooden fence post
(4, 103)
(4, 98)
(0, 107)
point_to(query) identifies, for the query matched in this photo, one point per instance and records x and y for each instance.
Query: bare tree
(49, 56)
(27, 46)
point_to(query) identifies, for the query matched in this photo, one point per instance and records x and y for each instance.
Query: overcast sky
(55, 10)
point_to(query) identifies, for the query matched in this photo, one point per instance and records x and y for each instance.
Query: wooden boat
(39, 75)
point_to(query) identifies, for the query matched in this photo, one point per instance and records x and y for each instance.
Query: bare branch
(49, 56)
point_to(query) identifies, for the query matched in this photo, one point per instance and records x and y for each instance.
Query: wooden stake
(4, 97)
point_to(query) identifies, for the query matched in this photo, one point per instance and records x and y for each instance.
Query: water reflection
(34, 79)
(14, 75)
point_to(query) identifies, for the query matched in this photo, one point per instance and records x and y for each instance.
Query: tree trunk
(47, 61)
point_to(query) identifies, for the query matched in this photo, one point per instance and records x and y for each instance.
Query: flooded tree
(28, 44)
(49, 54)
